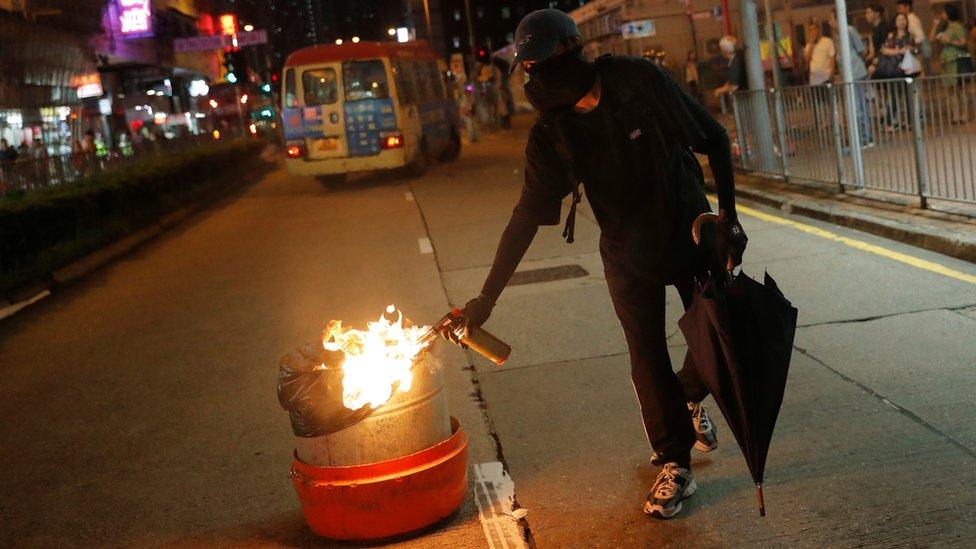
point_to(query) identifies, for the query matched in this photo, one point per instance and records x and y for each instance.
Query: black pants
(662, 394)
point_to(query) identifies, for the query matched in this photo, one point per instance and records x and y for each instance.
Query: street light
(338, 41)
(248, 28)
(355, 39)
(391, 31)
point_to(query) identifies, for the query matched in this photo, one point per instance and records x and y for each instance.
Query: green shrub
(42, 230)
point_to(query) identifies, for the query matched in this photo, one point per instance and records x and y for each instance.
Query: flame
(378, 361)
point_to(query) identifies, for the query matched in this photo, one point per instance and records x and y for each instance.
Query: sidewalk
(952, 234)
(874, 445)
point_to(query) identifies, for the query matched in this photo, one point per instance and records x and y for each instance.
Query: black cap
(539, 33)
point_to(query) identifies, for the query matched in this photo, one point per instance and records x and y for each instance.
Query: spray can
(476, 338)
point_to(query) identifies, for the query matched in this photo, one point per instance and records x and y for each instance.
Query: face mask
(560, 82)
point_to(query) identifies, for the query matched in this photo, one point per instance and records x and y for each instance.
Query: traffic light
(483, 55)
(235, 69)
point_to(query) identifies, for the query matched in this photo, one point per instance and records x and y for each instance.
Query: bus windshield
(365, 80)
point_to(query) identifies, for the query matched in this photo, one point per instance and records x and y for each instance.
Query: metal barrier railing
(916, 135)
(26, 175)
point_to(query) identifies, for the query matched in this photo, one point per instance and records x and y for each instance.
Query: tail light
(391, 140)
(295, 150)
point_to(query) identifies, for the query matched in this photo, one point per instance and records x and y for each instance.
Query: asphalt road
(138, 405)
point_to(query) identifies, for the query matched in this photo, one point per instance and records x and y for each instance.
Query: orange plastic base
(387, 498)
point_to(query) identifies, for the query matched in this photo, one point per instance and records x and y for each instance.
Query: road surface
(138, 406)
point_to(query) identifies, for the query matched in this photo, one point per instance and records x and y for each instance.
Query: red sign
(205, 24)
(228, 23)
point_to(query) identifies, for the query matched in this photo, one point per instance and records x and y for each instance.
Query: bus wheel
(331, 180)
(453, 150)
(420, 163)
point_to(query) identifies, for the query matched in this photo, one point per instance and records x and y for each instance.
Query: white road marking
(12, 309)
(409, 196)
(494, 494)
(425, 245)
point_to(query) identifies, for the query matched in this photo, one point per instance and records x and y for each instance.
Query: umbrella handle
(709, 217)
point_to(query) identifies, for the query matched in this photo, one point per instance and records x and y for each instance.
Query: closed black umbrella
(740, 336)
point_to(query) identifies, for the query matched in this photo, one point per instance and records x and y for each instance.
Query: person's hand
(473, 315)
(730, 240)
(477, 311)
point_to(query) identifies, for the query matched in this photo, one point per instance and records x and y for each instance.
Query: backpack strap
(558, 136)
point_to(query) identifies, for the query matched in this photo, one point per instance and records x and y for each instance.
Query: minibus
(367, 106)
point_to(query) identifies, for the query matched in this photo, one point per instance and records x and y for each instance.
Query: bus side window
(416, 72)
(291, 93)
(405, 87)
(436, 79)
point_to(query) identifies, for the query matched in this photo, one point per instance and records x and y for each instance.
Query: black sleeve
(737, 71)
(546, 185)
(687, 120)
(515, 241)
(546, 182)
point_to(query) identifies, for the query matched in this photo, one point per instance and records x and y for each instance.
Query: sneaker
(673, 484)
(706, 438)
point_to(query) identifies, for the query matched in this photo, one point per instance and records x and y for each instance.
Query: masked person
(623, 130)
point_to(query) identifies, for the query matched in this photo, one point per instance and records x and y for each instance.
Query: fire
(378, 361)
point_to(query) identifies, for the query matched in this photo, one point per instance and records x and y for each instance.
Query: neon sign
(135, 18)
(228, 24)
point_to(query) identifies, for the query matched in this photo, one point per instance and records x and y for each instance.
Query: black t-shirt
(632, 155)
(879, 35)
(737, 70)
(597, 148)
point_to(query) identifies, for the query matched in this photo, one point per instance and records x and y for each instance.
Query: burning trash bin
(377, 453)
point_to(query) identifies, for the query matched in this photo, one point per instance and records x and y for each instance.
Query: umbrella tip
(759, 497)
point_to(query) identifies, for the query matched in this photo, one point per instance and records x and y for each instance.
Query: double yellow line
(860, 245)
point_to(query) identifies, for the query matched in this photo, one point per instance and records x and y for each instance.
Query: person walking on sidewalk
(625, 131)
(859, 75)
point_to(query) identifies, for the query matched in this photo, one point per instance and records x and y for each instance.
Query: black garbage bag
(312, 393)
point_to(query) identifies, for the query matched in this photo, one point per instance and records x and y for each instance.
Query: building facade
(493, 21)
(70, 68)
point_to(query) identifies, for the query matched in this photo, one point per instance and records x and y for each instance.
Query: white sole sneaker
(702, 447)
(658, 511)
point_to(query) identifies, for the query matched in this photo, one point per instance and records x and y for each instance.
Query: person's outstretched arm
(546, 185)
(515, 241)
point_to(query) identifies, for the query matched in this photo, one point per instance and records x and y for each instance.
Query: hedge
(45, 229)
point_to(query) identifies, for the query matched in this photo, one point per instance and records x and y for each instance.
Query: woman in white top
(819, 54)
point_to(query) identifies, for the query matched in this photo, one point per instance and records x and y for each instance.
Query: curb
(915, 234)
(31, 293)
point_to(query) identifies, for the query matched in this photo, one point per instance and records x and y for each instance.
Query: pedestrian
(735, 67)
(7, 152)
(880, 29)
(819, 54)
(971, 25)
(466, 106)
(859, 77)
(917, 31)
(625, 131)
(691, 75)
(955, 59)
(890, 65)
